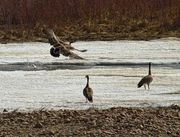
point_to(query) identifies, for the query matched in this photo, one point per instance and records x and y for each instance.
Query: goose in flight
(60, 47)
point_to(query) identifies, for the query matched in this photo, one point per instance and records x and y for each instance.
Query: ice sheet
(38, 80)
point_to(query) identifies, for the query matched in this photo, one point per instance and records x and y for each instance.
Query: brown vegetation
(114, 122)
(91, 19)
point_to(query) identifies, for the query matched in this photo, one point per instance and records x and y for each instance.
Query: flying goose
(59, 47)
(146, 80)
(88, 92)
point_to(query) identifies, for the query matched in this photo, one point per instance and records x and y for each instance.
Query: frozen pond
(30, 78)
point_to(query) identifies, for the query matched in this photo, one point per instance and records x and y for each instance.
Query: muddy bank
(93, 122)
(84, 32)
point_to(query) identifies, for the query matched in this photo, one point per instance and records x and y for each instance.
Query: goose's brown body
(88, 92)
(146, 80)
(64, 48)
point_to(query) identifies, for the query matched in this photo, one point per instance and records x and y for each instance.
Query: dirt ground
(114, 122)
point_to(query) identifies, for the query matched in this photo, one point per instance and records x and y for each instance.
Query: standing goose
(88, 92)
(147, 79)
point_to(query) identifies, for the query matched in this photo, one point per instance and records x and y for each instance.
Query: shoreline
(41, 109)
(99, 38)
(36, 35)
(119, 121)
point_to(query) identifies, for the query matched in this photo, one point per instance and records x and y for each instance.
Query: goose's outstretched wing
(52, 38)
(75, 56)
(63, 47)
(55, 40)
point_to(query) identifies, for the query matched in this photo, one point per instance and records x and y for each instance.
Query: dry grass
(91, 20)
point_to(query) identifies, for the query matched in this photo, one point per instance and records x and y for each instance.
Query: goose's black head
(55, 52)
(70, 42)
(87, 76)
